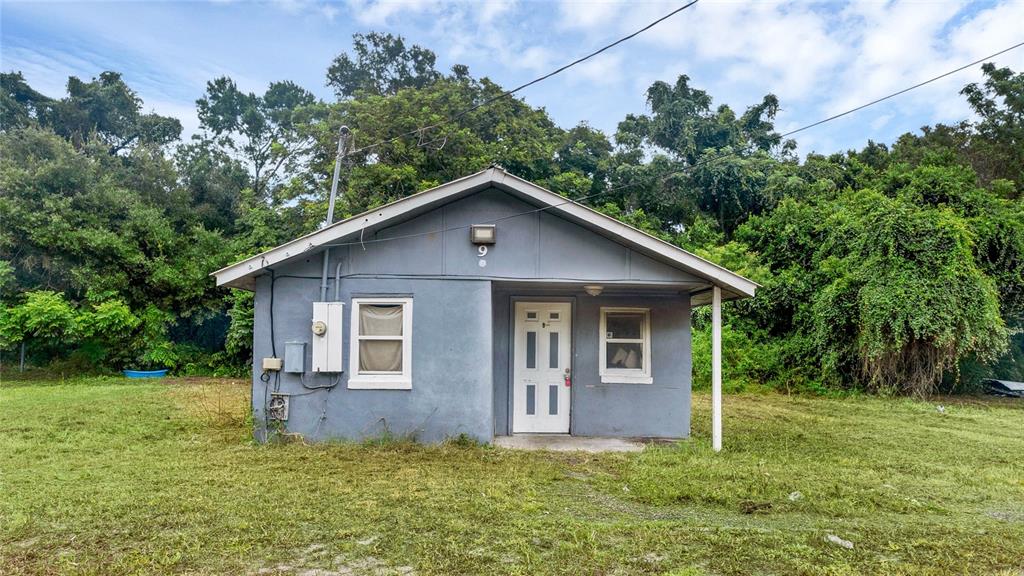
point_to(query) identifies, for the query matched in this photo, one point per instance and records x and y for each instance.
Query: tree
(885, 284)
(382, 65)
(908, 286)
(992, 146)
(264, 131)
(999, 136)
(683, 124)
(82, 221)
(20, 105)
(395, 157)
(107, 109)
(711, 160)
(584, 154)
(213, 181)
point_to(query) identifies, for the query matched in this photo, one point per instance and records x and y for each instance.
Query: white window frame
(358, 380)
(625, 375)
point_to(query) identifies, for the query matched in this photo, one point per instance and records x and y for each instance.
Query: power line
(578, 60)
(904, 91)
(508, 93)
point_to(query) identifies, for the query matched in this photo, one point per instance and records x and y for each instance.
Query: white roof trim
(237, 274)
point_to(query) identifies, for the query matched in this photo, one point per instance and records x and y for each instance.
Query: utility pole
(344, 135)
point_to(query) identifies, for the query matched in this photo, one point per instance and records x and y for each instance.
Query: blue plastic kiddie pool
(145, 373)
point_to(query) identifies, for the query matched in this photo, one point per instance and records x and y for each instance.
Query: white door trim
(541, 357)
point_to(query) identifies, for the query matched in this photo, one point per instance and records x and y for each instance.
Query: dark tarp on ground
(1005, 388)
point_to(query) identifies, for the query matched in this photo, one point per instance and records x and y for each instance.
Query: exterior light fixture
(593, 289)
(482, 233)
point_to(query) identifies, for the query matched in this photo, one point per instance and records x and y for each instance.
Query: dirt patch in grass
(222, 404)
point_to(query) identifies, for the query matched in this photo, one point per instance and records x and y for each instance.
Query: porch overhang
(700, 293)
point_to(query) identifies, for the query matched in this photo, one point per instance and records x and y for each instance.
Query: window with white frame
(625, 356)
(380, 354)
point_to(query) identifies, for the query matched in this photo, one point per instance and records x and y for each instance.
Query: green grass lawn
(99, 476)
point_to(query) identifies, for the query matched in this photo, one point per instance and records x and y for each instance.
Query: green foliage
(76, 222)
(508, 132)
(888, 284)
(995, 143)
(382, 65)
(104, 334)
(893, 268)
(240, 335)
(44, 316)
(910, 287)
(264, 131)
(107, 332)
(20, 105)
(103, 110)
(709, 161)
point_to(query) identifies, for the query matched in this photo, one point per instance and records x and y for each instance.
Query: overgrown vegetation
(103, 477)
(894, 269)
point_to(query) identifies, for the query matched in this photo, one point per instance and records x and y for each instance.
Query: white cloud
(329, 11)
(898, 45)
(533, 58)
(494, 34)
(602, 69)
(487, 12)
(291, 6)
(782, 45)
(881, 121)
(588, 15)
(380, 12)
(821, 60)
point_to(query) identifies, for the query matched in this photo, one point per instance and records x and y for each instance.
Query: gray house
(487, 306)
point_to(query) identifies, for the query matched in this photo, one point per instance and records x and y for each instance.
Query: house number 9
(481, 250)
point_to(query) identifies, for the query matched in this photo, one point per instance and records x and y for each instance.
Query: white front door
(542, 367)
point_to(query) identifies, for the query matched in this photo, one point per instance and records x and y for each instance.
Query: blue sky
(819, 58)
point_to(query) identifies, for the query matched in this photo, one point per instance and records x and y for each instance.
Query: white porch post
(716, 369)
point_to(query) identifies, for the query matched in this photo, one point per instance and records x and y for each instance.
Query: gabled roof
(241, 274)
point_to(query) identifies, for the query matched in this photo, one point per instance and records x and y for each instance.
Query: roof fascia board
(231, 275)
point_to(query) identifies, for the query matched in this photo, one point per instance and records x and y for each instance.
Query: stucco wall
(660, 409)
(537, 245)
(451, 368)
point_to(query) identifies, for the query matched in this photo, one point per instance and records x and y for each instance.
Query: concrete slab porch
(567, 443)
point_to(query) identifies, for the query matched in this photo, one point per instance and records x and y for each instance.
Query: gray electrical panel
(295, 357)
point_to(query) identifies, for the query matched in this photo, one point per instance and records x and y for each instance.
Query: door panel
(542, 358)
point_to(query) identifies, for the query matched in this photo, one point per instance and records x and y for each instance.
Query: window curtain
(377, 320)
(380, 355)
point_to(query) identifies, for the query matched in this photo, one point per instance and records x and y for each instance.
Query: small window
(531, 350)
(381, 345)
(625, 353)
(531, 315)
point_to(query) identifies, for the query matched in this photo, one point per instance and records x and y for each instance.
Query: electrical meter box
(294, 357)
(327, 336)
